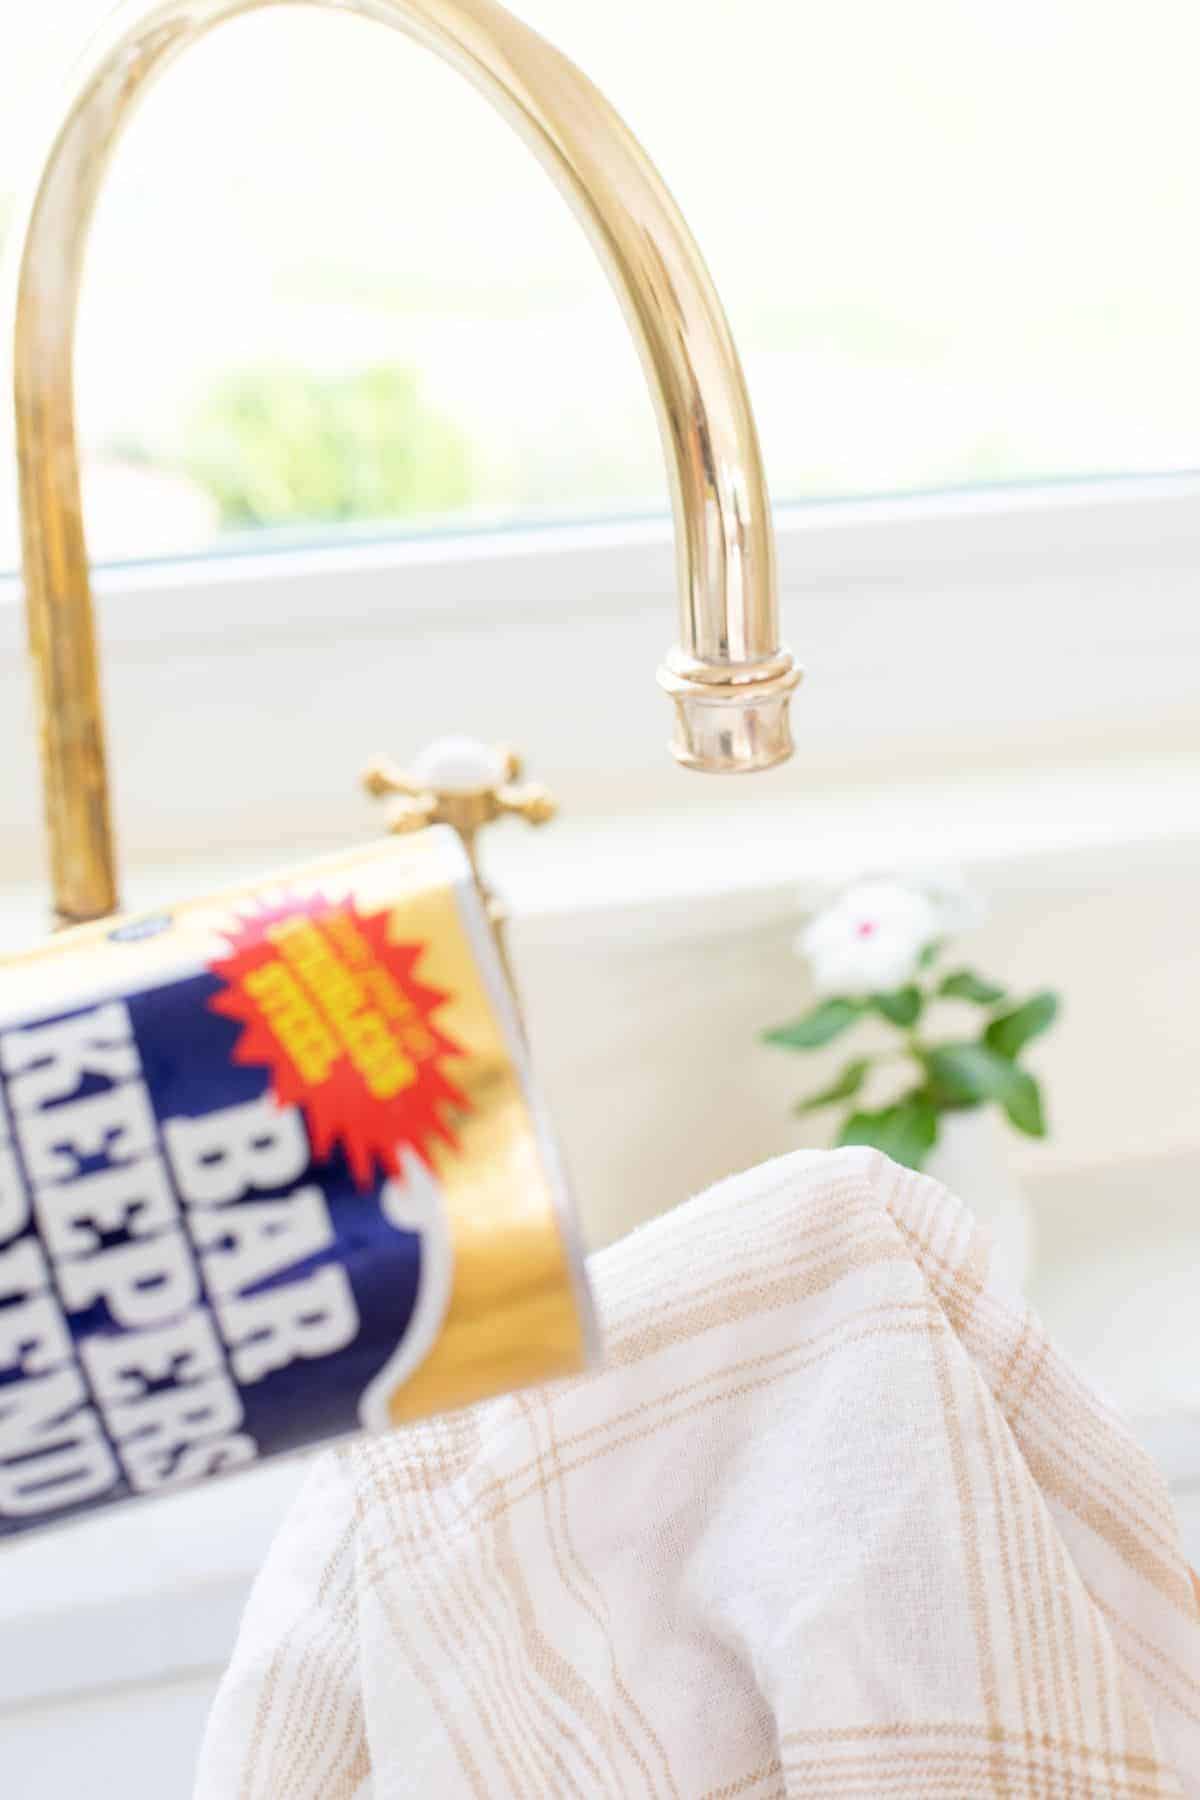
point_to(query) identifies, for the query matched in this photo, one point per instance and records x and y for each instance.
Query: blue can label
(271, 1172)
(183, 1287)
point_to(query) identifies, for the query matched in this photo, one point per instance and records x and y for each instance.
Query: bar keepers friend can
(271, 1171)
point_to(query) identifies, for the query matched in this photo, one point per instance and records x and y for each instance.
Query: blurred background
(369, 458)
(953, 240)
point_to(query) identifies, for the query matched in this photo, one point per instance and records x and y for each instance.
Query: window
(329, 290)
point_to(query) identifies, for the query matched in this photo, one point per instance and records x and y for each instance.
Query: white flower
(871, 939)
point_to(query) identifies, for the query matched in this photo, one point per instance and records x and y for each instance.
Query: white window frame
(1001, 627)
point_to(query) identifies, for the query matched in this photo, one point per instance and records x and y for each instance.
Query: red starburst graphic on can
(337, 1014)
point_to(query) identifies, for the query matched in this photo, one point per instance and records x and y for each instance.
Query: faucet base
(729, 720)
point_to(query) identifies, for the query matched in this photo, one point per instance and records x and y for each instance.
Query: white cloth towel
(836, 1520)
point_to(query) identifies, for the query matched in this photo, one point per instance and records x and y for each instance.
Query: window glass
(328, 290)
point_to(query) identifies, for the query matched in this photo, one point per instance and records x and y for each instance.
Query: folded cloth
(835, 1520)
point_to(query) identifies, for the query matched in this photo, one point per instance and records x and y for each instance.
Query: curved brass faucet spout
(729, 678)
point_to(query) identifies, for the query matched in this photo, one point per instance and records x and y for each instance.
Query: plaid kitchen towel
(836, 1519)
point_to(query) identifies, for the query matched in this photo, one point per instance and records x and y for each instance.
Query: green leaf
(906, 1132)
(1010, 1033)
(963, 985)
(844, 1087)
(970, 1074)
(818, 1027)
(930, 954)
(901, 1007)
(967, 1074)
(1023, 1104)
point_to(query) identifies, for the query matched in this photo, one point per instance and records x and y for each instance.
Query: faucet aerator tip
(732, 726)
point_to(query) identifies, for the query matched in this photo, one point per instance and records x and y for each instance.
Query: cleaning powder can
(271, 1171)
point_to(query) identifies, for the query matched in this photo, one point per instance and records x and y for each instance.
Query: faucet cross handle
(461, 782)
(466, 784)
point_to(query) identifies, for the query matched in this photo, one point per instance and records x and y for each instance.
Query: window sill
(990, 630)
(142, 1594)
(672, 875)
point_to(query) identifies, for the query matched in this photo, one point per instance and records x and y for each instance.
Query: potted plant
(951, 1057)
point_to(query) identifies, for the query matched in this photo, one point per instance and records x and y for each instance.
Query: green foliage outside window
(280, 446)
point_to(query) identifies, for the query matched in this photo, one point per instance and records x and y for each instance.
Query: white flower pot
(971, 1160)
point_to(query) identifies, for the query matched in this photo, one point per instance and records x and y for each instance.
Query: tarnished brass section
(729, 679)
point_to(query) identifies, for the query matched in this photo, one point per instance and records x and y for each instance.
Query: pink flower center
(866, 928)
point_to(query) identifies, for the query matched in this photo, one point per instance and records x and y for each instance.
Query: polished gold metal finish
(729, 679)
(464, 785)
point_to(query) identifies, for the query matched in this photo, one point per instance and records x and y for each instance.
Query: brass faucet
(728, 677)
